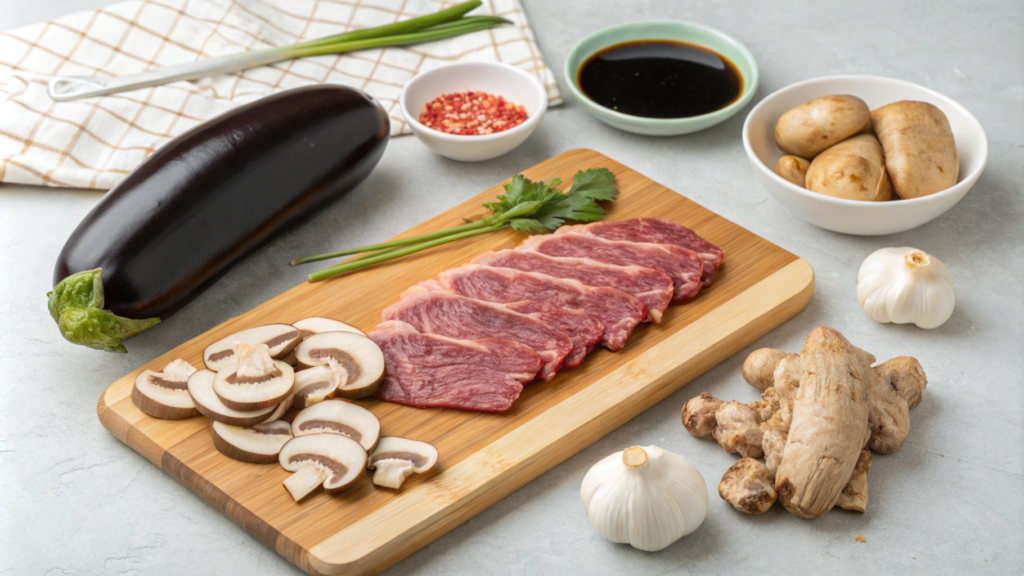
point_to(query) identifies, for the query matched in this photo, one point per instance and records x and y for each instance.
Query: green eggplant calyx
(76, 304)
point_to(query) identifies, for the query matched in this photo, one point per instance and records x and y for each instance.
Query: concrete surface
(75, 500)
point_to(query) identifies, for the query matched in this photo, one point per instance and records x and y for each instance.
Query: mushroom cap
(361, 358)
(339, 417)
(318, 324)
(314, 384)
(422, 455)
(341, 456)
(252, 380)
(164, 394)
(259, 444)
(281, 339)
(200, 389)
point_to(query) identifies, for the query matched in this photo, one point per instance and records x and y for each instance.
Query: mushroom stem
(304, 481)
(391, 472)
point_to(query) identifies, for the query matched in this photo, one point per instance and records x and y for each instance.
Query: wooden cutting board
(484, 457)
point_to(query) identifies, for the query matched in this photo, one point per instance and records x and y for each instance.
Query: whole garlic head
(905, 285)
(645, 497)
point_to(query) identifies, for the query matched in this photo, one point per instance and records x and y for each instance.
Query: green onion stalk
(526, 206)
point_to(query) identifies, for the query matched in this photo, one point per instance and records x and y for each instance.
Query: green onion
(526, 206)
(376, 258)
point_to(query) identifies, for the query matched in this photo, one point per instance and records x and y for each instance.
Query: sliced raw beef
(617, 311)
(680, 264)
(657, 231)
(454, 316)
(652, 287)
(584, 329)
(431, 371)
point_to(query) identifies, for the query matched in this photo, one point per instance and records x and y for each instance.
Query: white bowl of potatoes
(880, 155)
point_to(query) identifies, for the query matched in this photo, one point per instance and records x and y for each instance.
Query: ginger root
(821, 412)
(748, 486)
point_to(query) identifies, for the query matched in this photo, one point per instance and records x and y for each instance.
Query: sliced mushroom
(281, 409)
(339, 417)
(164, 394)
(200, 388)
(254, 380)
(259, 444)
(314, 384)
(317, 324)
(360, 357)
(281, 339)
(395, 459)
(333, 460)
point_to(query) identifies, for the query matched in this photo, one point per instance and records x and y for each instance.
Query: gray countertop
(75, 500)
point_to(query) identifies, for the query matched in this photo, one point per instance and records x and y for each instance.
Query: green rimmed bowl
(690, 32)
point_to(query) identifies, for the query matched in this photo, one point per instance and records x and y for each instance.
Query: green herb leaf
(529, 225)
(595, 183)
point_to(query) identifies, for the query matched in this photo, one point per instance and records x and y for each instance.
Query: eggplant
(204, 200)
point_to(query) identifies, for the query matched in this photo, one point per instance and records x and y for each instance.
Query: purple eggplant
(204, 200)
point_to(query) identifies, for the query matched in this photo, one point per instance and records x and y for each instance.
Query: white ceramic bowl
(514, 84)
(852, 216)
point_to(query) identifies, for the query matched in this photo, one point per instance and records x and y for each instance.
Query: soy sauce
(660, 79)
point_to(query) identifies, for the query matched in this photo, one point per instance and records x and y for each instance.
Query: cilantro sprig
(526, 206)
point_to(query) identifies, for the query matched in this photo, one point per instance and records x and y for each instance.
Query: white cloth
(95, 142)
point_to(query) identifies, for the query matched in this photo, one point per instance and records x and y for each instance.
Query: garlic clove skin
(906, 286)
(645, 497)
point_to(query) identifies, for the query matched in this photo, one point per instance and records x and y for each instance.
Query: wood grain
(483, 456)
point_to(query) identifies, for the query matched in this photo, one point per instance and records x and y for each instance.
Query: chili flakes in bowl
(472, 113)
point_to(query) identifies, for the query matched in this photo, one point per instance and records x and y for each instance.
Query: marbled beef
(657, 231)
(652, 287)
(454, 316)
(682, 265)
(617, 311)
(431, 371)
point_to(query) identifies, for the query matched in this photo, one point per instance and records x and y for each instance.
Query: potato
(920, 152)
(814, 126)
(853, 169)
(793, 168)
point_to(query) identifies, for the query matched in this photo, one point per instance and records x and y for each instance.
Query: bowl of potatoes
(864, 155)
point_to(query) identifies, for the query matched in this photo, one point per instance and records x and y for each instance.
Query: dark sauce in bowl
(660, 79)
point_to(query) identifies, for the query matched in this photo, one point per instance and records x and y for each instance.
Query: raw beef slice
(617, 311)
(431, 371)
(657, 231)
(652, 287)
(682, 265)
(453, 316)
(584, 329)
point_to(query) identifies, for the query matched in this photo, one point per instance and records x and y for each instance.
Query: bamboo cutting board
(483, 456)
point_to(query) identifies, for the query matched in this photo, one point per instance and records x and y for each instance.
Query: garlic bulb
(905, 285)
(646, 497)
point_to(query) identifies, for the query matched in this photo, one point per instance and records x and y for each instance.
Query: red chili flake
(472, 114)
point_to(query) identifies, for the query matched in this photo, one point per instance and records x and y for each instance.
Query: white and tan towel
(95, 142)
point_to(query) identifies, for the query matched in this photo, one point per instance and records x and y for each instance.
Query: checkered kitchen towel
(95, 142)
